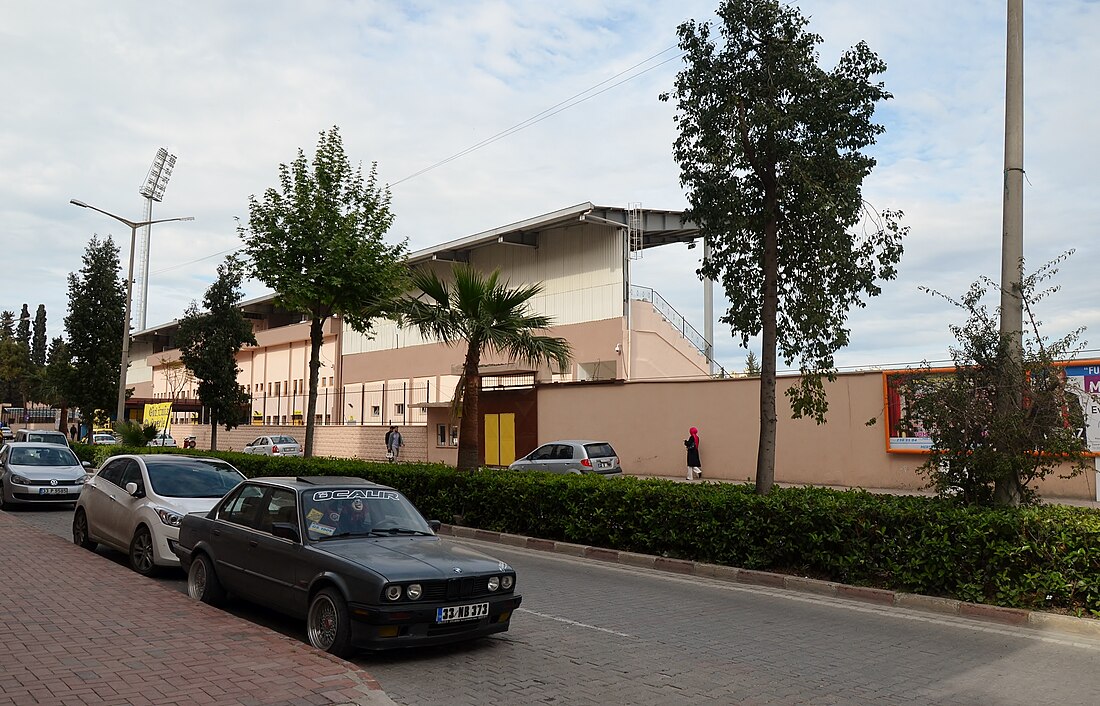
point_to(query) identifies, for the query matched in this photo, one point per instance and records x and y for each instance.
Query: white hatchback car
(276, 445)
(163, 439)
(135, 504)
(39, 473)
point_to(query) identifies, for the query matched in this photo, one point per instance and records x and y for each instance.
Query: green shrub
(1034, 557)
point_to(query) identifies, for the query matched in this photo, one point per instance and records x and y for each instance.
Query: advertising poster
(159, 415)
(1082, 380)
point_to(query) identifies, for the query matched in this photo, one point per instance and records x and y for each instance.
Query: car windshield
(199, 478)
(359, 512)
(48, 438)
(283, 440)
(601, 450)
(42, 456)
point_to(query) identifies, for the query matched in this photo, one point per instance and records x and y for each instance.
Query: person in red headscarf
(695, 469)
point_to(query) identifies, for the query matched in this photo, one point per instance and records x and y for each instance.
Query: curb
(1036, 620)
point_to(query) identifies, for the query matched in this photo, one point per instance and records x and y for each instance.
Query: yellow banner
(159, 415)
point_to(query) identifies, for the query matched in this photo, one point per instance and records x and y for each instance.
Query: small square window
(375, 410)
(399, 408)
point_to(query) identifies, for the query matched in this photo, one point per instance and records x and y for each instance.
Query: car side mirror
(87, 464)
(435, 525)
(134, 489)
(285, 530)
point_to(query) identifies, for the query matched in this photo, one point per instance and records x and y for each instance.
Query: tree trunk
(1007, 491)
(63, 419)
(765, 453)
(315, 338)
(469, 452)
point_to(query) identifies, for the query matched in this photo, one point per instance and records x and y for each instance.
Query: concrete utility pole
(1012, 245)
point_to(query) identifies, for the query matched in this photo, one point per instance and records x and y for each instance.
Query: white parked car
(32, 473)
(163, 439)
(104, 438)
(274, 446)
(135, 504)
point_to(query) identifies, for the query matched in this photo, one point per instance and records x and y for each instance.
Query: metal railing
(677, 321)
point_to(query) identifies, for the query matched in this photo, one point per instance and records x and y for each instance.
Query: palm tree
(490, 317)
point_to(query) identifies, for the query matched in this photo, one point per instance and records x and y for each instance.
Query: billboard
(159, 415)
(1082, 379)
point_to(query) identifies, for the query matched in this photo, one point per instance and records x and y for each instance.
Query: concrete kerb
(1038, 620)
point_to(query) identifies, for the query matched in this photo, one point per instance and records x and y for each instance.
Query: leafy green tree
(54, 379)
(209, 342)
(769, 151)
(134, 434)
(97, 303)
(7, 326)
(979, 444)
(752, 364)
(15, 372)
(38, 338)
(319, 242)
(23, 329)
(490, 317)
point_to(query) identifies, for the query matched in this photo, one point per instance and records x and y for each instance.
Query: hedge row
(1044, 557)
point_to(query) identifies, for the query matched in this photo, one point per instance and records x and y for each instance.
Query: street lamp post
(121, 410)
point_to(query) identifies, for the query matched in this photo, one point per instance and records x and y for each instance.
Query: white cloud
(92, 90)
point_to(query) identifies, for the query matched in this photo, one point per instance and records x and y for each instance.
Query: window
(399, 409)
(375, 410)
(440, 434)
(281, 507)
(241, 508)
(454, 436)
(113, 471)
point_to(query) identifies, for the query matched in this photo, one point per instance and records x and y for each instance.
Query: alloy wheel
(322, 623)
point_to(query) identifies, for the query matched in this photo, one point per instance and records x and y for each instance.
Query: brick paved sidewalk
(76, 628)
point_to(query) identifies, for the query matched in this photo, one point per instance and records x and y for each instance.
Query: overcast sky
(92, 90)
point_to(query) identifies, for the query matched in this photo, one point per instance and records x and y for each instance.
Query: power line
(549, 112)
(533, 120)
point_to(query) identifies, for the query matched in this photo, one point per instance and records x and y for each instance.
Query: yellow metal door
(492, 439)
(507, 438)
(500, 439)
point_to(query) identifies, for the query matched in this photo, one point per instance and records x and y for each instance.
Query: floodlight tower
(152, 190)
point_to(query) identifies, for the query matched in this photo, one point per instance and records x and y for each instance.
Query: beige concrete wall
(659, 351)
(367, 443)
(647, 422)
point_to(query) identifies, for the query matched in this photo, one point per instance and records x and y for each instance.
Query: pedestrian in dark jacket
(695, 469)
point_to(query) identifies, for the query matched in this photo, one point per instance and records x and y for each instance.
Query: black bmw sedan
(354, 558)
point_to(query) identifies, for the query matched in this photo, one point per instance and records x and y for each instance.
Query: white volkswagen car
(135, 504)
(33, 472)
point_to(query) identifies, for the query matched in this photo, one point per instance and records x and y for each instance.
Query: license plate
(53, 491)
(605, 464)
(454, 613)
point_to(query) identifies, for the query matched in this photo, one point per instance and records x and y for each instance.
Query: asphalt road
(593, 633)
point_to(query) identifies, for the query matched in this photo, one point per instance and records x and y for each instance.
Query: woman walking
(695, 469)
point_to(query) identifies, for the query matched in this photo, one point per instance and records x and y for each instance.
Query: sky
(93, 90)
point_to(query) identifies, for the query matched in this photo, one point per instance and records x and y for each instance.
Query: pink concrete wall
(647, 422)
(363, 442)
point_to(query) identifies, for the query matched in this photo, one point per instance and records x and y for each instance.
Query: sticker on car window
(334, 516)
(318, 528)
(314, 515)
(343, 494)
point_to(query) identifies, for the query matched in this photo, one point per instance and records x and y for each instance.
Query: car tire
(141, 552)
(328, 625)
(202, 582)
(81, 536)
(4, 505)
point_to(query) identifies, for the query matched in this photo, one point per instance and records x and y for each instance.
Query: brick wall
(364, 442)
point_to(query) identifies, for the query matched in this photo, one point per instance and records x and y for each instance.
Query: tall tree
(54, 380)
(97, 304)
(15, 372)
(319, 241)
(38, 338)
(490, 317)
(209, 342)
(7, 326)
(979, 445)
(769, 151)
(23, 329)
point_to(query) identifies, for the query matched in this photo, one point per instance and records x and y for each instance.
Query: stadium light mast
(153, 190)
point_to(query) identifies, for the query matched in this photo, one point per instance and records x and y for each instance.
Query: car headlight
(19, 480)
(169, 517)
(414, 591)
(393, 593)
(494, 583)
(506, 582)
(83, 479)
